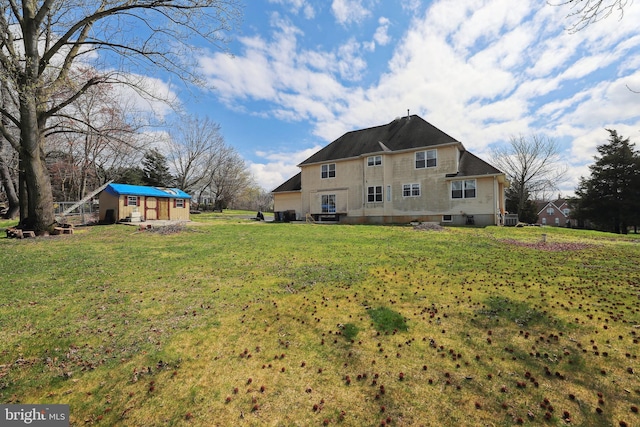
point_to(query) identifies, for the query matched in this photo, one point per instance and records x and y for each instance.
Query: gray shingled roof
(401, 134)
(292, 184)
(471, 165)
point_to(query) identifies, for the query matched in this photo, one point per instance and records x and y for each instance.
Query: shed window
(132, 201)
(179, 203)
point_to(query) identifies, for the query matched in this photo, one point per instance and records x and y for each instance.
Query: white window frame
(557, 220)
(180, 203)
(426, 159)
(447, 218)
(374, 160)
(550, 211)
(412, 189)
(328, 203)
(374, 194)
(463, 188)
(132, 200)
(544, 220)
(328, 171)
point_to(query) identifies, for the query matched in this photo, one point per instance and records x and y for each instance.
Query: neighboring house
(556, 213)
(403, 171)
(121, 202)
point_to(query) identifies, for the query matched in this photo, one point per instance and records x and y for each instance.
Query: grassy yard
(236, 322)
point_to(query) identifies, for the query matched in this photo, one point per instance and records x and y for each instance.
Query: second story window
(426, 159)
(374, 161)
(329, 171)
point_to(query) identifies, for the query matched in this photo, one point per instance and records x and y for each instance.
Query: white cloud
(480, 70)
(348, 11)
(381, 35)
(297, 6)
(278, 167)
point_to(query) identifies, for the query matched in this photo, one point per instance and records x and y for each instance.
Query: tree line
(64, 126)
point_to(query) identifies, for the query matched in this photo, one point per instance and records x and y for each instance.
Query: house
(556, 213)
(404, 171)
(124, 202)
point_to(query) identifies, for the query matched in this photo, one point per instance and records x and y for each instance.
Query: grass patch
(515, 311)
(387, 320)
(350, 331)
(239, 322)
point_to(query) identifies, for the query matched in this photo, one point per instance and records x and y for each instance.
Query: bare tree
(532, 165)
(41, 42)
(227, 177)
(8, 159)
(90, 133)
(193, 149)
(586, 12)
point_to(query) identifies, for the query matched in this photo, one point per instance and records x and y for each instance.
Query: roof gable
(142, 190)
(472, 165)
(292, 184)
(404, 133)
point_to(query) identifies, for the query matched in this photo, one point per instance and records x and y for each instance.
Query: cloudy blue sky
(304, 72)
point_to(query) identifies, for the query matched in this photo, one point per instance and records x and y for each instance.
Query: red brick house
(555, 213)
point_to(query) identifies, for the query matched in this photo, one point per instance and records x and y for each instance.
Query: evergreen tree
(610, 197)
(156, 169)
(519, 201)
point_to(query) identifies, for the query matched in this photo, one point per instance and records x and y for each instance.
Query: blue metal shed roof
(142, 190)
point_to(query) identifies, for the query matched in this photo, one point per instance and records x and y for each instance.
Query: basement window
(447, 218)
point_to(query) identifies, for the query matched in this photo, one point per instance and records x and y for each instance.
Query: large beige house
(404, 171)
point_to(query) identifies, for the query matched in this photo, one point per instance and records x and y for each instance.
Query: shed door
(151, 208)
(163, 209)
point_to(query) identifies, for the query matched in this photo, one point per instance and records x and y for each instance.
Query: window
(447, 218)
(544, 221)
(565, 211)
(463, 189)
(131, 201)
(550, 211)
(374, 161)
(470, 189)
(426, 159)
(374, 194)
(329, 203)
(410, 190)
(557, 221)
(329, 171)
(179, 203)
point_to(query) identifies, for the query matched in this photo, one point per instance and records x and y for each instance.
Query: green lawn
(237, 322)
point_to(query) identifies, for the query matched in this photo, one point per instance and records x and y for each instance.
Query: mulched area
(549, 246)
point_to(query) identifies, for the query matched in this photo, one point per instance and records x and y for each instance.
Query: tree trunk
(40, 215)
(10, 191)
(33, 99)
